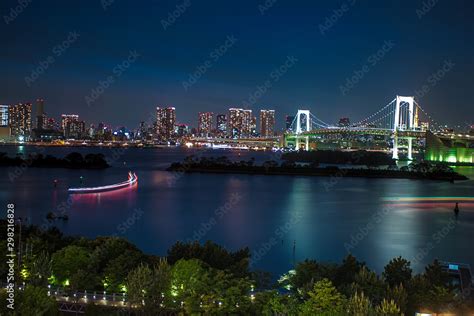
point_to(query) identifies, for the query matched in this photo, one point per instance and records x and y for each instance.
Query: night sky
(255, 39)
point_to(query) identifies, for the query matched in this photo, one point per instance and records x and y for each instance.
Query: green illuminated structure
(450, 148)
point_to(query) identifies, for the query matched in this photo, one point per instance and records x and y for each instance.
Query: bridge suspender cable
(376, 113)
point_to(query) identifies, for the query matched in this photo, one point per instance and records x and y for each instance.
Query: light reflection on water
(175, 206)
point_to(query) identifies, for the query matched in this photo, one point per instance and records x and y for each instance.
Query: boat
(132, 180)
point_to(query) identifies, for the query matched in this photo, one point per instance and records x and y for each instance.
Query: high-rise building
(205, 124)
(249, 122)
(221, 124)
(71, 126)
(20, 119)
(51, 123)
(239, 123)
(181, 130)
(267, 123)
(425, 126)
(41, 119)
(4, 115)
(165, 122)
(253, 126)
(4, 128)
(344, 122)
(234, 122)
(289, 123)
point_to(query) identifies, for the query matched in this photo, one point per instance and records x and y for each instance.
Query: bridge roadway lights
(306, 141)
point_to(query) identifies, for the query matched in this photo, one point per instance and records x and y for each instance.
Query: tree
(324, 299)
(399, 295)
(35, 301)
(117, 269)
(40, 269)
(435, 274)
(74, 159)
(397, 271)
(388, 308)
(359, 305)
(281, 305)
(346, 272)
(309, 272)
(369, 283)
(262, 279)
(159, 291)
(138, 282)
(68, 261)
(214, 255)
(440, 298)
(150, 287)
(189, 282)
(84, 280)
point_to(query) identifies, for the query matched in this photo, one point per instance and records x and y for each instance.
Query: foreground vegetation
(208, 279)
(73, 160)
(422, 170)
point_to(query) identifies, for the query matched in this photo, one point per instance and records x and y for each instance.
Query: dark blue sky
(421, 46)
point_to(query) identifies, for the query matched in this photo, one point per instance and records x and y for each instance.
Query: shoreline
(322, 172)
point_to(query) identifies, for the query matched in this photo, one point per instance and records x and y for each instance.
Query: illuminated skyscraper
(165, 122)
(267, 123)
(205, 123)
(51, 124)
(181, 130)
(71, 126)
(425, 126)
(234, 122)
(4, 115)
(239, 123)
(20, 119)
(41, 119)
(221, 124)
(4, 128)
(253, 126)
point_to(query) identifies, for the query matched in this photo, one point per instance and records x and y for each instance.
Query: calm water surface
(319, 218)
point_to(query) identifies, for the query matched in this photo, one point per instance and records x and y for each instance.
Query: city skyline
(318, 73)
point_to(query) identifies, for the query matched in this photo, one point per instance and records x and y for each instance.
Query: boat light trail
(459, 199)
(132, 180)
